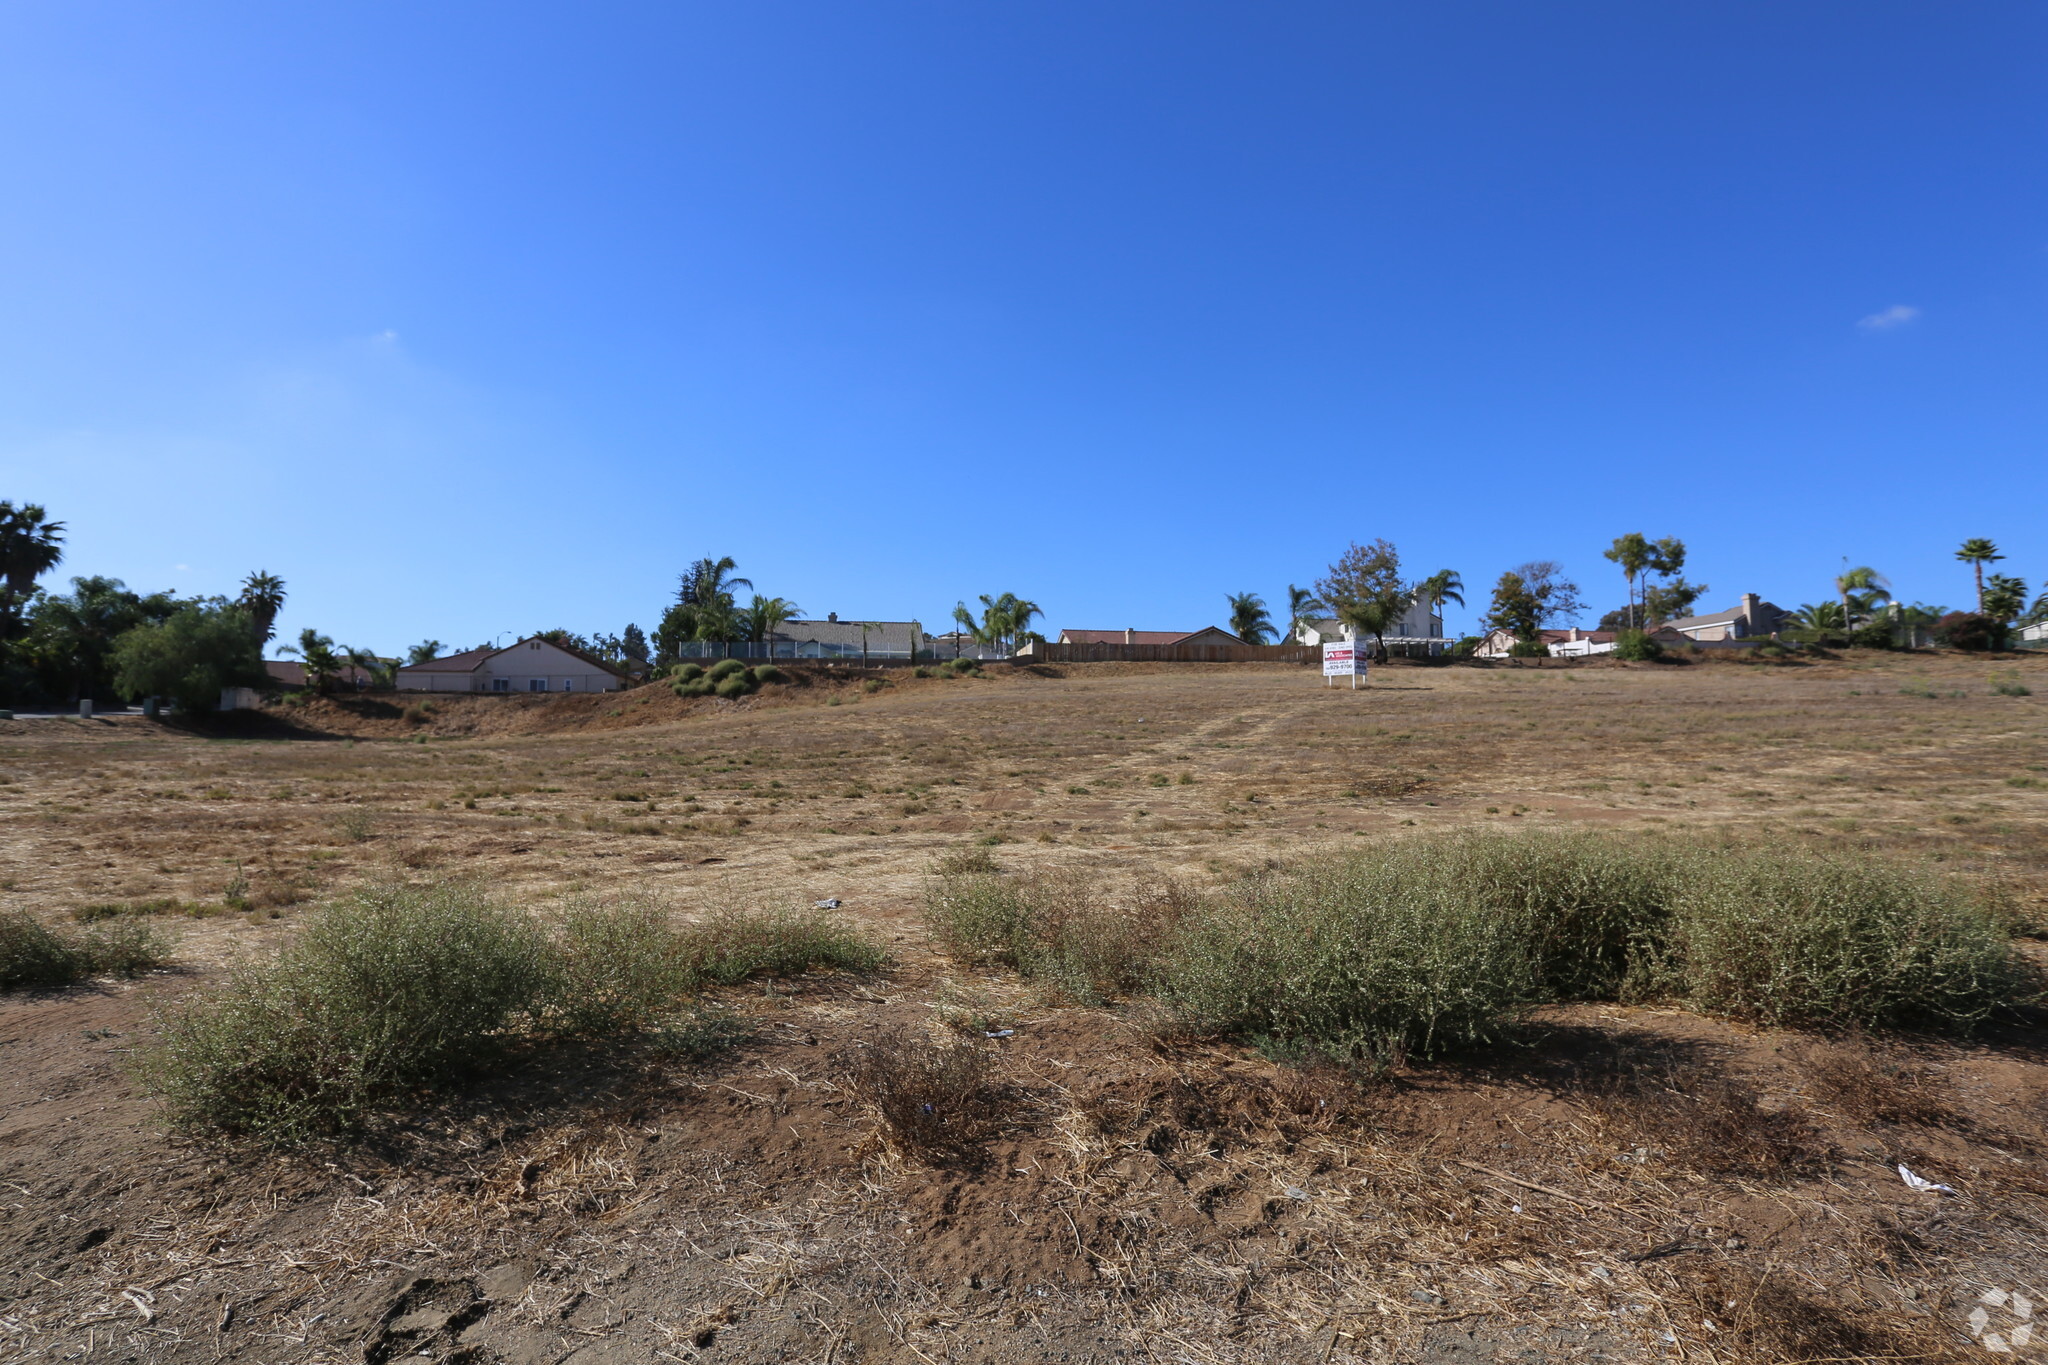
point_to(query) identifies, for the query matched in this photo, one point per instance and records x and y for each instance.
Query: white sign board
(1343, 659)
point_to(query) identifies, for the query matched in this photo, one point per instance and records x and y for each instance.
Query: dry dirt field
(1145, 1199)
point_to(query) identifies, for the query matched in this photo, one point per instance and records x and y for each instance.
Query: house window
(534, 645)
(501, 684)
(536, 684)
(568, 684)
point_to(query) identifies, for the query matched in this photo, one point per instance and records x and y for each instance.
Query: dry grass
(1136, 1191)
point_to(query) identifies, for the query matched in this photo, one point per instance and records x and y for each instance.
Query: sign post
(1343, 659)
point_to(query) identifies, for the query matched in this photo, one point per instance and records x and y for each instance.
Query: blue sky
(470, 318)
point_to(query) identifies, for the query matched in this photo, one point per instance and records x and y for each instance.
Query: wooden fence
(1118, 652)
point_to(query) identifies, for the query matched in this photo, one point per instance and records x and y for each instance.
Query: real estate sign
(1343, 659)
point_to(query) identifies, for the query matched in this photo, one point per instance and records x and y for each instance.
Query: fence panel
(1118, 652)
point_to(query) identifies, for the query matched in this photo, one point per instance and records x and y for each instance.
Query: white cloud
(1898, 315)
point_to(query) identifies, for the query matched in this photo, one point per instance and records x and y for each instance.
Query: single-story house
(1207, 635)
(2034, 636)
(1751, 619)
(531, 665)
(1498, 643)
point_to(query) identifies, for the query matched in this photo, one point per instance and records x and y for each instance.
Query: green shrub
(381, 997)
(1438, 943)
(962, 667)
(699, 686)
(619, 969)
(401, 992)
(2010, 687)
(1637, 646)
(734, 946)
(33, 954)
(763, 674)
(687, 672)
(1345, 962)
(1056, 927)
(724, 668)
(1800, 939)
(1528, 649)
(733, 685)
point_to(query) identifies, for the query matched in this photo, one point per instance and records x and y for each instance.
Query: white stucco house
(531, 665)
(1419, 625)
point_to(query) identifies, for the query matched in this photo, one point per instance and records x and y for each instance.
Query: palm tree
(1870, 586)
(30, 546)
(1301, 608)
(1249, 619)
(709, 579)
(2004, 597)
(765, 616)
(316, 652)
(1440, 587)
(424, 652)
(964, 624)
(1819, 617)
(262, 597)
(1005, 618)
(1975, 552)
(1633, 552)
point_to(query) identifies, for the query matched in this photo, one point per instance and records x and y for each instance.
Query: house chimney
(1751, 610)
(1130, 636)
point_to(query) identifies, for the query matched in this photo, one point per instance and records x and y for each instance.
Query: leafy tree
(2003, 598)
(1557, 597)
(1249, 619)
(30, 546)
(426, 651)
(190, 656)
(1670, 600)
(633, 644)
(1861, 590)
(1365, 592)
(1302, 607)
(1530, 595)
(704, 609)
(1633, 553)
(709, 581)
(262, 597)
(1514, 609)
(70, 637)
(1975, 552)
(317, 653)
